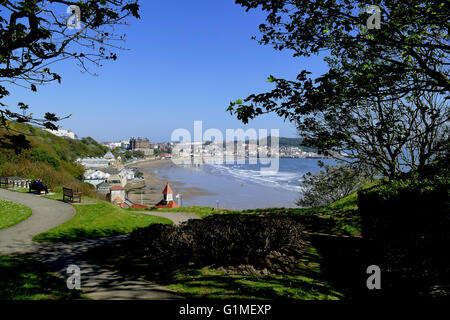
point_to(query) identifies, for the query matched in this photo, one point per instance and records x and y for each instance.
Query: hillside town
(111, 174)
(240, 150)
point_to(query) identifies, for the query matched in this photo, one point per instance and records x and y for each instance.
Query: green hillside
(45, 156)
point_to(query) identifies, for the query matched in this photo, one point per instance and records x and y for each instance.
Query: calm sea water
(244, 186)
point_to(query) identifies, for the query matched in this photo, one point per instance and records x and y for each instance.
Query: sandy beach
(152, 194)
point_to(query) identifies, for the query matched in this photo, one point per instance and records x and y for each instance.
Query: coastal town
(114, 175)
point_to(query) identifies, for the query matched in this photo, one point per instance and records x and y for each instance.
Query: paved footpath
(47, 214)
(96, 282)
(176, 217)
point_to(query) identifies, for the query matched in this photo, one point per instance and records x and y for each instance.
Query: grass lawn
(100, 219)
(307, 283)
(28, 279)
(340, 217)
(12, 213)
(21, 190)
(202, 212)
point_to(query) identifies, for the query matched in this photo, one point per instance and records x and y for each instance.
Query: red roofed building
(167, 202)
(117, 194)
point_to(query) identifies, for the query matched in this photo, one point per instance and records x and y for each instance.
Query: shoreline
(152, 193)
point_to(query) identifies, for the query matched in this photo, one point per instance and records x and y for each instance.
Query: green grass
(12, 213)
(100, 219)
(305, 284)
(202, 212)
(214, 284)
(28, 279)
(340, 217)
(20, 190)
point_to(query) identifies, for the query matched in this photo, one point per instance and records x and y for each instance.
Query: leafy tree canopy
(34, 34)
(393, 66)
(408, 53)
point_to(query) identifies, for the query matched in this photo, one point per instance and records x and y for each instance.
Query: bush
(42, 155)
(267, 243)
(408, 221)
(334, 183)
(415, 201)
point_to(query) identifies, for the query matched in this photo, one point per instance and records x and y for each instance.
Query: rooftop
(167, 190)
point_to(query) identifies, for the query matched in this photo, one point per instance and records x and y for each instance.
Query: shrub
(42, 155)
(221, 241)
(334, 183)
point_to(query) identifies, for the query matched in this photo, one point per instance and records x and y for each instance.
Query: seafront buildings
(110, 177)
(238, 150)
(143, 145)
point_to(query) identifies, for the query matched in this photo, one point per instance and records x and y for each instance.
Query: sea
(242, 186)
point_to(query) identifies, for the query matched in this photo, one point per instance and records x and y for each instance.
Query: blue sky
(186, 61)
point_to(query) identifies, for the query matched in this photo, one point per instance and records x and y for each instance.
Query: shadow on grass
(207, 283)
(197, 281)
(344, 261)
(77, 235)
(22, 278)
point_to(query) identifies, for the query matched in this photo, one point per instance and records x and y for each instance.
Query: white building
(112, 145)
(94, 162)
(95, 177)
(109, 156)
(62, 133)
(117, 194)
(107, 160)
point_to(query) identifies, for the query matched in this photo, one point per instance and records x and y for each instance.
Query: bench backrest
(67, 191)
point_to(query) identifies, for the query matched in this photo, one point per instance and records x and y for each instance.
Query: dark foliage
(267, 243)
(408, 221)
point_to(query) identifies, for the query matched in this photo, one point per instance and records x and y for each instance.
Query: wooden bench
(36, 187)
(72, 196)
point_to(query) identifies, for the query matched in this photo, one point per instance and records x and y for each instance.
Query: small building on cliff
(167, 201)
